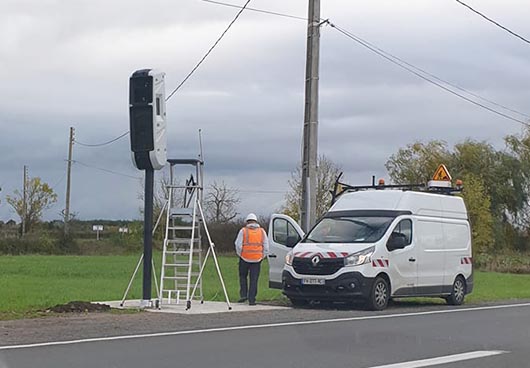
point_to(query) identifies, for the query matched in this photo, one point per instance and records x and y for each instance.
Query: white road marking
(270, 325)
(443, 359)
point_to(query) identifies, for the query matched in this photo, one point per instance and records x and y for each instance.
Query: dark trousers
(245, 290)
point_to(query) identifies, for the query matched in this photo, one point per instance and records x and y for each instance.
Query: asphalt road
(500, 335)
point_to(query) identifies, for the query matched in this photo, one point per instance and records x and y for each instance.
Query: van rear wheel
(458, 292)
(379, 296)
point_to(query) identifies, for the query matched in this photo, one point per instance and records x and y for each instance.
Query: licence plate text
(313, 282)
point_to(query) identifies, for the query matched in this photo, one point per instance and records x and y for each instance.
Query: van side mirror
(292, 241)
(396, 241)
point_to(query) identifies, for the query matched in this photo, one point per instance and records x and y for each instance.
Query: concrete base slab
(196, 307)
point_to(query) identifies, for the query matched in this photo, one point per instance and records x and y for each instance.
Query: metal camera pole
(148, 237)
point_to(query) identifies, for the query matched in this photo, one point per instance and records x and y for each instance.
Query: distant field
(36, 282)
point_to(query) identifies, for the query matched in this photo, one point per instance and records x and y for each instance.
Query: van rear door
(284, 234)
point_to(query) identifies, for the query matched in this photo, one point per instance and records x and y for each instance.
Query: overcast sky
(67, 63)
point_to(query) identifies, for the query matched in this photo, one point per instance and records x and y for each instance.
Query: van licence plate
(313, 282)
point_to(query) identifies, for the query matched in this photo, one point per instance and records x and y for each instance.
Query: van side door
(431, 256)
(402, 258)
(284, 234)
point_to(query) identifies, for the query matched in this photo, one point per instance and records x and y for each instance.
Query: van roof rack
(341, 188)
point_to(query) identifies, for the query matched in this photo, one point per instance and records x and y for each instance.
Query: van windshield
(348, 229)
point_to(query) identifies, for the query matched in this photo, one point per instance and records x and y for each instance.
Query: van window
(284, 233)
(430, 234)
(349, 229)
(404, 229)
(456, 236)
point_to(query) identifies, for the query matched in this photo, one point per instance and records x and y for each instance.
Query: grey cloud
(68, 63)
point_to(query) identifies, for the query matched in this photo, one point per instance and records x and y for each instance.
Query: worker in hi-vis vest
(252, 246)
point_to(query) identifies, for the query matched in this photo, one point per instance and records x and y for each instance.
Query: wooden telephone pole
(310, 151)
(68, 181)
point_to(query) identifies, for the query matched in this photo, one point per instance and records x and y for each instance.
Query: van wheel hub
(459, 290)
(380, 294)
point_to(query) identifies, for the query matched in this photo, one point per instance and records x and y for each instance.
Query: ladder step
(180, 264)
(181, 241)
(179, 277)
(183, 252)
(175, 211)
(189, 228)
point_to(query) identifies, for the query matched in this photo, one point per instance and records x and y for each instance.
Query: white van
(376, 245)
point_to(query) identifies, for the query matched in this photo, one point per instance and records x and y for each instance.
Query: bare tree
(327, 172)
(221, 203)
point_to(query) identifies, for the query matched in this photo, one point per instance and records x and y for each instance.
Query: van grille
(326, 266)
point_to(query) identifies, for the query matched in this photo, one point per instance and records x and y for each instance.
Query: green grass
(32, 283)
(37, 282)
(492, 286)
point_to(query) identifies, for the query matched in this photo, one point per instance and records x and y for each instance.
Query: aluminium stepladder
(182, 257)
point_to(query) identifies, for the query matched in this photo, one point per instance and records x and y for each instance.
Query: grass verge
(32, 283)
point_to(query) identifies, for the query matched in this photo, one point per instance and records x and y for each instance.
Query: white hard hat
(251, 217)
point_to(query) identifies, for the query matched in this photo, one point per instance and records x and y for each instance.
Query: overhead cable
(418, 74)
(256, 10)
(525, 115)
(492, 21)
(104, 143)
(106, 170)
(522, 114)
(209, 51)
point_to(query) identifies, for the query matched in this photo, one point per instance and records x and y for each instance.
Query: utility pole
(310, 151)
(68, 182)
(24, 200)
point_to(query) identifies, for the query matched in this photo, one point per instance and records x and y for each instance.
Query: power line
(104, 143)
(256, 10)
(440, 79)
(209, 51)
(59, 181)
(411, 70)
(492, 21)
(525, 115)
(106, 170)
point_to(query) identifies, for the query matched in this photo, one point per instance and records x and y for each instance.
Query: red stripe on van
(332, 255)
(344, 254)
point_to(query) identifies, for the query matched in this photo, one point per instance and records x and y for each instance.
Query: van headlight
(359, 258)
(289, 258)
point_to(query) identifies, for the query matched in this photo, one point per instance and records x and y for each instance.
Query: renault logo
(315, 260)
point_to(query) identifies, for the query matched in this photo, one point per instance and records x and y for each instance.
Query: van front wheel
(379, 296)
(458, 292)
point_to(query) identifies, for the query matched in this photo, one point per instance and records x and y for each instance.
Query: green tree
(327, 172)
(478, 206)
(500, 173)
(39, 197)
(496, 180)
(417, 162)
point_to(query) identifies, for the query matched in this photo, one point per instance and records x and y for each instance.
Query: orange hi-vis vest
(252, 247)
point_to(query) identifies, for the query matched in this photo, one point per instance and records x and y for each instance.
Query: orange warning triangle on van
(442, 174)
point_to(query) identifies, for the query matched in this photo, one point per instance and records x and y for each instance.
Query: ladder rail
(211, 249)
(191, 247)
(162, 270)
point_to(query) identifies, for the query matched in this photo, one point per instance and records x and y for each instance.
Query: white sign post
(123, 230)
(97, 229)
